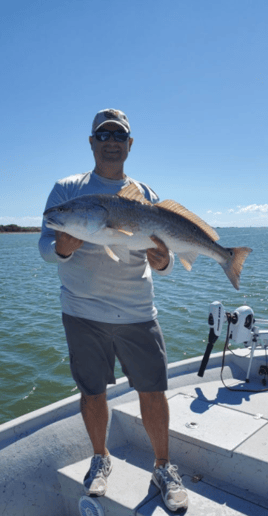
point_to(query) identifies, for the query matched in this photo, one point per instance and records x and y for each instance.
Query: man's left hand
(158, 258)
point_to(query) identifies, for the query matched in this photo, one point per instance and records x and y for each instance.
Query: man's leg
(95, 415)
(155, 417)
(92, 360)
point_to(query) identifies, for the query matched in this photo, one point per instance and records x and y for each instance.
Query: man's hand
(158, 257)
(66, 244)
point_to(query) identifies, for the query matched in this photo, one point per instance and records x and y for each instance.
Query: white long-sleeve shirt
(93, 285)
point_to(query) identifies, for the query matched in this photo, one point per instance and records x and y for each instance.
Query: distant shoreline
(13, 228)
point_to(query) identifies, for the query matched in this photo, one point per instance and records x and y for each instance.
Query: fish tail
(234, 264)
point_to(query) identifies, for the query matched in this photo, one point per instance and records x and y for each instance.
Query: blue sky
(190, 74)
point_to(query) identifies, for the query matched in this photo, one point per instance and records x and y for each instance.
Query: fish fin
(111, 253)
(187, 260)
(122, 252)
(112, 232)
(175, 207)
(233, 266)
(128, 233)
(132, 193)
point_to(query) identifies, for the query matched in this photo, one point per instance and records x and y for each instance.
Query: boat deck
(218, 439)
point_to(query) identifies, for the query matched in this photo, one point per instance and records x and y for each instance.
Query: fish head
(78, 216)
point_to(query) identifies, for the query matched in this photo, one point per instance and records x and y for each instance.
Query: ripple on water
(34, 363)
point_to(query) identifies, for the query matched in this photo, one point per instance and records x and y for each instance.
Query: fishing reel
(241, 330)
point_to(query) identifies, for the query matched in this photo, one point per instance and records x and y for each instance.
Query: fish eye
(60, 210)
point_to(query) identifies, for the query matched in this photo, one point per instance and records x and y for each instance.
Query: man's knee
(152, 397)
(92, 399)
(154, 394)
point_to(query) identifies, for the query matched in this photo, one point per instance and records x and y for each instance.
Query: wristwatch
(61, 255)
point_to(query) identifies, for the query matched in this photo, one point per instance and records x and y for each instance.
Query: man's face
(110, 151)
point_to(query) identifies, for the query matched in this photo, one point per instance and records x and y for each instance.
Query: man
(108, 311)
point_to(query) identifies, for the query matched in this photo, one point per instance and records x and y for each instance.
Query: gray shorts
(93, 346)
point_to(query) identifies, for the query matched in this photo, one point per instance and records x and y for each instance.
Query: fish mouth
(50, 223)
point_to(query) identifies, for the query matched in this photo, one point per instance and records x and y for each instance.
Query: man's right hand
(66, 244)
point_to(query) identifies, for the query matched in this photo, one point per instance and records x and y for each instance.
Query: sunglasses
(104, 136)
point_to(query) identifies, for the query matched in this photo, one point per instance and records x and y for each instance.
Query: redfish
(126, 222)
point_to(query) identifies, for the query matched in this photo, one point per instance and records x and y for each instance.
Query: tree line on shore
(13, 228)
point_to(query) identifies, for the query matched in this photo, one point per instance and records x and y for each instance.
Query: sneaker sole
(88, 507)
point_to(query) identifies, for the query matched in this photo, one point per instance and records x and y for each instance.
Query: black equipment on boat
(242, 329)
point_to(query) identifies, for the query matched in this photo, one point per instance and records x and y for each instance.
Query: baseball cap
(111, 115)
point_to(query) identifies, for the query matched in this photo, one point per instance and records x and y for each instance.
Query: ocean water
(34, 365)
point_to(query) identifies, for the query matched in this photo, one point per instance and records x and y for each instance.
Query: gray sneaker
(95, 481)
(172, 489)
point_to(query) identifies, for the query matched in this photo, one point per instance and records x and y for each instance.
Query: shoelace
(97, 464)
(171, 471)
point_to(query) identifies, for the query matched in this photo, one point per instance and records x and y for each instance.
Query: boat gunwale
(22, 426)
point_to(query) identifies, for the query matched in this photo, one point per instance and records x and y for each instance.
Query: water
(34, 364)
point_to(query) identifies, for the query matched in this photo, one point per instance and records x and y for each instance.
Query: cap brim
(114, 122)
